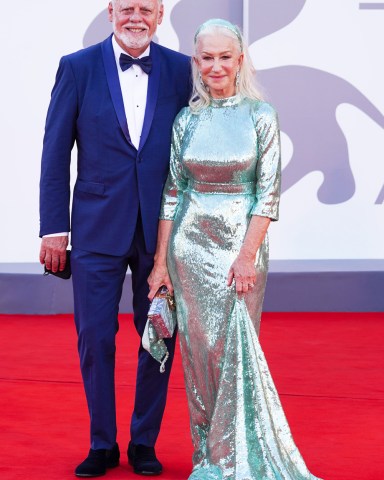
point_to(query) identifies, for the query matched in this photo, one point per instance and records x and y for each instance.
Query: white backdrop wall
(320, 63)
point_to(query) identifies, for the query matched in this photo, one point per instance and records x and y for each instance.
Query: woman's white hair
(247, 86)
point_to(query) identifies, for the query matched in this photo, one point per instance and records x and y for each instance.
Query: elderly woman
(221, 194)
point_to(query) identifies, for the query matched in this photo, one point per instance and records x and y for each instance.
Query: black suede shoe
(98, 461)
(143, 459)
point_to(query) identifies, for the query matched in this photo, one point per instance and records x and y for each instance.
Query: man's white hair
(117, 1)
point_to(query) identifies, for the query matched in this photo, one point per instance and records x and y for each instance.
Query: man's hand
(52, 252)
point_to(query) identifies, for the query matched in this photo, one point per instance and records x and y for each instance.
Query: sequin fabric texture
(225, 167)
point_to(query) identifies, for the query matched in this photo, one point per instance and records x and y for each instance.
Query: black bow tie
(126, 62)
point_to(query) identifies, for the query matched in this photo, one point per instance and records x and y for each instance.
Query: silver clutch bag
(162, 313)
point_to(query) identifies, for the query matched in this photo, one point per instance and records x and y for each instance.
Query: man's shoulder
(87, 53)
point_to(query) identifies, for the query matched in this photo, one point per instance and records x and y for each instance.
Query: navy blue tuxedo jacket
(114, 179)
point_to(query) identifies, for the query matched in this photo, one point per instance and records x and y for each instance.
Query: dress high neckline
(226, 102)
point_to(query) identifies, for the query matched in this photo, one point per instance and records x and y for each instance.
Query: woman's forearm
(243, 268)
(254, 237)
(159, 275)
(163, 234)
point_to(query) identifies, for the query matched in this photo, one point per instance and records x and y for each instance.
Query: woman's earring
(202, 83)
(237, 78)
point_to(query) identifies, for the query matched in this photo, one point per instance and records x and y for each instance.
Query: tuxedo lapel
(153, 90)
(114, 85)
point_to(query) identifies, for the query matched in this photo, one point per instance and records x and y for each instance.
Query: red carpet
(328, 369)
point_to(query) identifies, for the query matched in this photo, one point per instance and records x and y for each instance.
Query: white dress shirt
(134, 86)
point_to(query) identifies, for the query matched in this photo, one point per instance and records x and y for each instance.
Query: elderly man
(117, 100)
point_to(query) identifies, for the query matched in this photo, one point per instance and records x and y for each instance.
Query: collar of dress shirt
(117, 50)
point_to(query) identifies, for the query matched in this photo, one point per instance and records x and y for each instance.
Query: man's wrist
(62, 234)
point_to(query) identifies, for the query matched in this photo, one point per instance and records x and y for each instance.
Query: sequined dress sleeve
(225, 167)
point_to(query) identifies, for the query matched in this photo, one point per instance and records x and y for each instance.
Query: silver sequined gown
(225, 167)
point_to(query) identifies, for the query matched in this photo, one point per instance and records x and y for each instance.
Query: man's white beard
(134, 43)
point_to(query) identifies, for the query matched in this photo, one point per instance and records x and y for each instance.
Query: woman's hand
(157, 278)
(243, 273)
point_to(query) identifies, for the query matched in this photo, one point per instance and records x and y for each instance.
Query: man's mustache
(144, 27)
